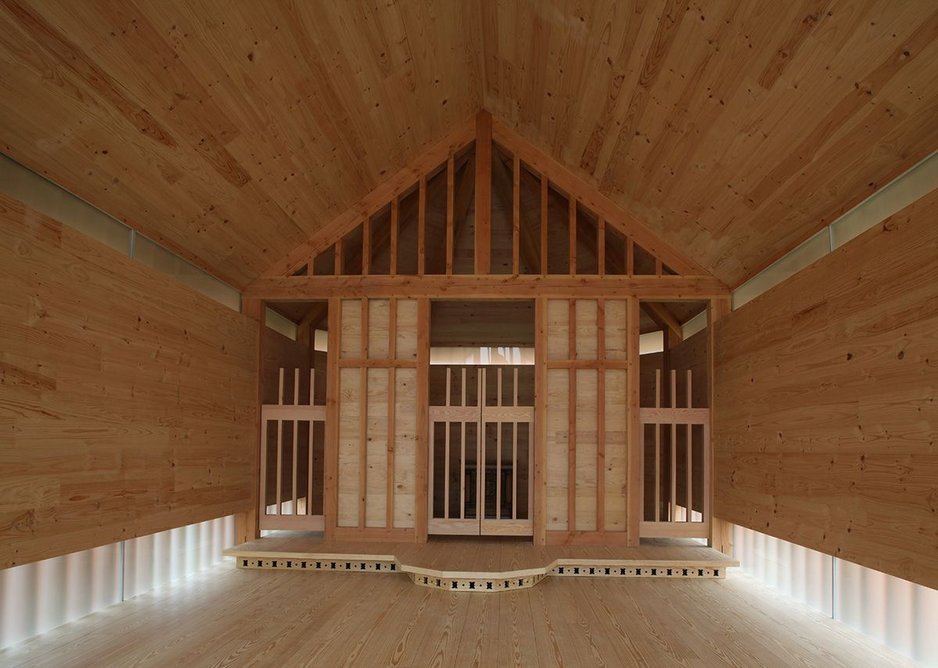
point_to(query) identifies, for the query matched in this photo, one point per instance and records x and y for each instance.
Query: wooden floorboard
(236, 617)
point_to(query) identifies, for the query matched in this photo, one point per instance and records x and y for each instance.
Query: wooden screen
(292, 453)
(586, 433)
(676, 462)
(377, 416)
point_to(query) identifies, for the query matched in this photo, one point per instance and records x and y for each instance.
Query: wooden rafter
(664, 319)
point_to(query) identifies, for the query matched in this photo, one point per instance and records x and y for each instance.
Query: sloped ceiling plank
(734, 130)
(229, 131)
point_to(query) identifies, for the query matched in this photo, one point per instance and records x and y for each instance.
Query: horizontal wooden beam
(493, 286)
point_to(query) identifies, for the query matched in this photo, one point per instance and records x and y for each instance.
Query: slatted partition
(481, 430)
(676, 460)
(586, 370)
(377, 418)
(292, 455)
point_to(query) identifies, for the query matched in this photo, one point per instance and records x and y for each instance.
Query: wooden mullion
(450, 211)
(629, 257)
(363, 417)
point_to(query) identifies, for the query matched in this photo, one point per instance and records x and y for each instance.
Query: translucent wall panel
(896, 612)
(160, 558)
(802, 573)
(37, 597)
(280, 324)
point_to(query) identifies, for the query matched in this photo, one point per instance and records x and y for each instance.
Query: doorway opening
(481, 413)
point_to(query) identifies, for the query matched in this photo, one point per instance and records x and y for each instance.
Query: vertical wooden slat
(601, 415)
(309, 472)
(601, 245)
(571, 222)
(280, 388)
(312, 387)
(294, 474)
(480, 450)
(659, 267)
(514, 451)
(450, 211)
(630, 257)
(690, 448)
(672, 515)
(634, 488)
(423, 402)
(262, 505)
(544, 225)
(516, 216)
(498, 452)
(279, 465)
(331, 445)
(395, 224)
(366, 245)
(462, 470)
(657, 448)
(536, 453)
(296, 386)
(447, 472)
(483, 193)
(422, 227)
(571, 422)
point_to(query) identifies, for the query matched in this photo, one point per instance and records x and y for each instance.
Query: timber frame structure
(378, 266)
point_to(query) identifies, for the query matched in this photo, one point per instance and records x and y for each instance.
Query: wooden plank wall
(825, 416)
(127, 401)
(377, 435)
(586, 431)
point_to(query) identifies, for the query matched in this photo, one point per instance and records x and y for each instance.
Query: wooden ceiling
(232, 131)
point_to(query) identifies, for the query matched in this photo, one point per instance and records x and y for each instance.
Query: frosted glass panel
(156, 257)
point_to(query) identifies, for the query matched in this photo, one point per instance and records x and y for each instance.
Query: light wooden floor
(258, 618)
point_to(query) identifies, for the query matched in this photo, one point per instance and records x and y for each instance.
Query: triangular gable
(537, 218)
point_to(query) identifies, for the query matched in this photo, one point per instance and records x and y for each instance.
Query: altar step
(482, 565)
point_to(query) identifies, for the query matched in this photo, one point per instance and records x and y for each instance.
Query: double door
(481, 450)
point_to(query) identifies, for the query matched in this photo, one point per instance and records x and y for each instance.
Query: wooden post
(483, 187)
(330, 501)
(423, 416)
(246, 522)
(540, 416)
(634, 489)
(721, 535)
